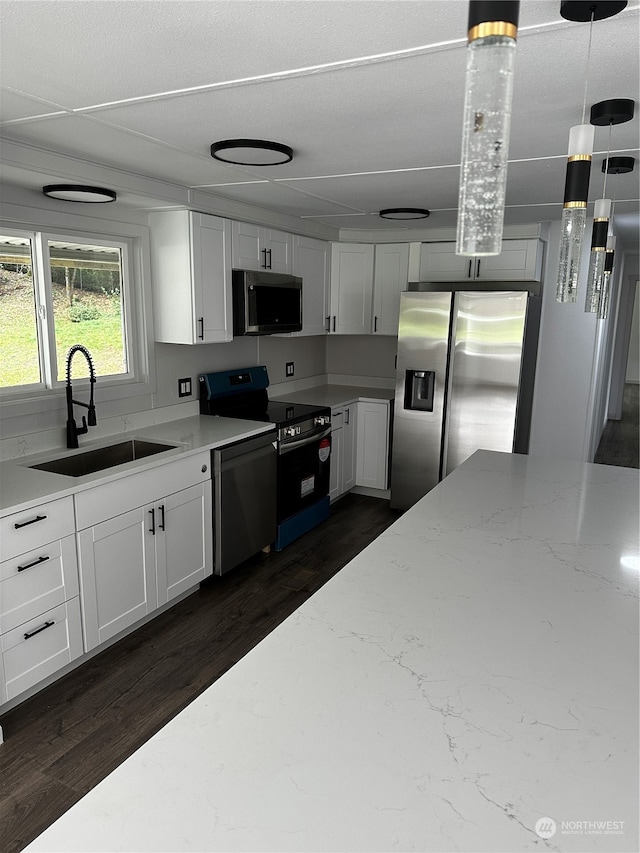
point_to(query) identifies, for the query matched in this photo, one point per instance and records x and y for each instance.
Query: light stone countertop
(22, 487)
(472, 672)
(336, 395)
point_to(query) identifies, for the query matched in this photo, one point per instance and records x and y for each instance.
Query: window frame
(139, 381)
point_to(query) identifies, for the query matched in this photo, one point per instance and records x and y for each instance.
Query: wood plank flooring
(63, 741)
(620, 442)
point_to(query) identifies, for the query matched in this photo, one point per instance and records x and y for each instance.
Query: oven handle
(302, 442)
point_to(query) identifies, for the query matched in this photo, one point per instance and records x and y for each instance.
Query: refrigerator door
(423, 342)
(484, 374)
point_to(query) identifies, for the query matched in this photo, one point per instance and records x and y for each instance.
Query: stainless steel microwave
(265, 303)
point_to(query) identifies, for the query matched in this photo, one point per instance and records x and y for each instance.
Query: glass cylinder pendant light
(598, 255)
(574, 211)
(493, 29)
(605, 290)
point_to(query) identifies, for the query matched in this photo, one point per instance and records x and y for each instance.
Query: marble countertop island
(468, 683)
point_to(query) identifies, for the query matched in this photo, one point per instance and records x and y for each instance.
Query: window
(56, 292)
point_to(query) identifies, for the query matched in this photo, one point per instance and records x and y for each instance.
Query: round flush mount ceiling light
(618, 165)
(79, 193)
(251, 152)
(404, 213)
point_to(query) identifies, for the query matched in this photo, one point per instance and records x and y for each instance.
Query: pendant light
(492, 33)
(612, 166)
(608, 112)
(576, 191)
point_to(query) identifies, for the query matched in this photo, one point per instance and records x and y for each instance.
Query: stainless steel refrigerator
(464, 380)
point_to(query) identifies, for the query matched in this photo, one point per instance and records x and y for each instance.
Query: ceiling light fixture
(251, 152)
(492, 33)
(576, 189)
(79, 193)
(609, 112)
(403, 213)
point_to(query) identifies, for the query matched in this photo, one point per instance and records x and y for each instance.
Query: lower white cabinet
(372, 470)
(40, 628)
(343, 450)
(137, 560)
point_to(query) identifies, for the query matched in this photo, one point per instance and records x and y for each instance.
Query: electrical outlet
(184, 387)
(289, 368)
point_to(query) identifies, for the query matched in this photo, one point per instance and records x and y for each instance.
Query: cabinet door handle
(37, 630)
(269, 267)
(20, 524)
(347, 415)
(375, 324)
(328, 323)
(334, 322)
(264, 264)
(161, 522)
(152, 529)
(201, 324)
(478, 268)
(469, 269)
(31, 565)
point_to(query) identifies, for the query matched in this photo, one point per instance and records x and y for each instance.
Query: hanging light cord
(606, 169)
(586, 74)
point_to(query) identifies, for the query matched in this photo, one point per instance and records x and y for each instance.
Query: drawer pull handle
(35, 563)
(37, 631)
(20, 524)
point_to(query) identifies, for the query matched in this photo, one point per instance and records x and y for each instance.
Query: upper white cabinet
(351, 288)
(366, 282)
(311, 261)
(520, 260)
(191, 277)
(258, 248)
(391, 271)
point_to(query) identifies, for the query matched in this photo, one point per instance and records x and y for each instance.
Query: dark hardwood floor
(63, 741)
(620, 442)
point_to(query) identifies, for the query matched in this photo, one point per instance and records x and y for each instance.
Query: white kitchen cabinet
(366, 282)
(191, 277)
(390, 276)
(520, 260)
(343, 450)
(372, 455)
(312, 261)
(39, 608)
(134, 558)
(351, 288)
(257, 248)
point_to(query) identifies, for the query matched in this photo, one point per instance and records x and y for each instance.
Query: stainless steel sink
(103, 457)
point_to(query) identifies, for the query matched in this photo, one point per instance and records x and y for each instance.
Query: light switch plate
(289, 368)
(184, 387)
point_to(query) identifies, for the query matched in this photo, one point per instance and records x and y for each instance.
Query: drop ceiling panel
(82, 137)
(277, 196)
(162, 45)
(14, 105)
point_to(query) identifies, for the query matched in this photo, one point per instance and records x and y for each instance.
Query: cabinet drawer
(24, 531)
(37, 581)
(120, 496)
(41, 646)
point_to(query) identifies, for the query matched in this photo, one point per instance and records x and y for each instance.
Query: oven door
(303, 472)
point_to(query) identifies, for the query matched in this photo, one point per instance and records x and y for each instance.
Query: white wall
(633, 360)
(572, 370)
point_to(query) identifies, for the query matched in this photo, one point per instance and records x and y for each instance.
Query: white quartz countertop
(471, 675)
(22, 487)
(337, 395)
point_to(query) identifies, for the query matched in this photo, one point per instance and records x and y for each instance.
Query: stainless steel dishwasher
(244, 500)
